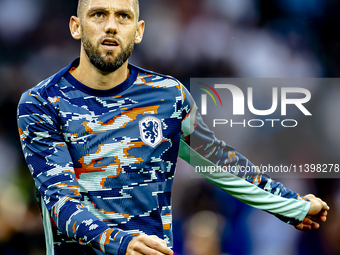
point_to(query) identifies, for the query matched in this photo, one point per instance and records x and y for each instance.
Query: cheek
(130, 38)
(91, 34)
(128, 32)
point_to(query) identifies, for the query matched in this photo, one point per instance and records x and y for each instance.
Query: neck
(90, 76)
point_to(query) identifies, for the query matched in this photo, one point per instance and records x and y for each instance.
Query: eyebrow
(104, 9)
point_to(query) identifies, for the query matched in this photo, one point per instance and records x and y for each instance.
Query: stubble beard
(108, 63)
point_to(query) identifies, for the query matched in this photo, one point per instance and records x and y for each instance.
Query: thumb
(316, 205)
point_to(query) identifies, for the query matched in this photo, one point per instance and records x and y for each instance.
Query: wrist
(124, 244)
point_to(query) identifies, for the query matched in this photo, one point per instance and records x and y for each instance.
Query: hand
(148, 245)
(317, 213)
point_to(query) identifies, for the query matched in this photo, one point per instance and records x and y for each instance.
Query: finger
(136, 253)
(323, 213)
(145, 250)
(307, 227)
(312, 223)
(299, 227)
(158, 246)
(307, 221)
(315, 225)
(321, 217)
(303, 227)
(158, 239)
(306, 224)
(325, 206)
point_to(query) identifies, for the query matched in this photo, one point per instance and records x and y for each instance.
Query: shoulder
(36, 93)
(155, 79)
(40, 91)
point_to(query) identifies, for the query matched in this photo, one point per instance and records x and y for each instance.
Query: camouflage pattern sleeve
(199, 147)
(50, 164)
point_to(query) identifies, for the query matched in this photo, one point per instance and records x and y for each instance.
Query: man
(101, 139)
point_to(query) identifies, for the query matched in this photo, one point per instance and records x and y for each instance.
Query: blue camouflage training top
(103, 161)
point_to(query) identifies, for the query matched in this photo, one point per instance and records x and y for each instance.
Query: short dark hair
(81, 4)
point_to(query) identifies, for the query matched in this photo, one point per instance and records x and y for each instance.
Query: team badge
(151, 131)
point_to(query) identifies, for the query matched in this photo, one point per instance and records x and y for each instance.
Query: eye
(124, 16)
(99, 15)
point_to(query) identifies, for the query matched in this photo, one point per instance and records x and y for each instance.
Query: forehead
(110, 4)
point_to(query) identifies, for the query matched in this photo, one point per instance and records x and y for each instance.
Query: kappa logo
(151, 131)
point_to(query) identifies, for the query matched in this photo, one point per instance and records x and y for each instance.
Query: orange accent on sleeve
(231, 156)
(197, 148)
(33, 95)
(74, 227)
(256, 178)
(107, 234)
(166, 226)
(21, 134)
(180, 88)
(81, 206)
(70, 187)
(55, 99)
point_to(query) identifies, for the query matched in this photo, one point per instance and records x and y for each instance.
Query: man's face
(108, 32)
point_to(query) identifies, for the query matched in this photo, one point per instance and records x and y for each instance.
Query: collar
(95, 92)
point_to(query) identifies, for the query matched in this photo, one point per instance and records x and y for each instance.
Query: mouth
(110, 44)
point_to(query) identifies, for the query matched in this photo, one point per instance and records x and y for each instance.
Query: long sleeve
(241, 179)
(51, 166)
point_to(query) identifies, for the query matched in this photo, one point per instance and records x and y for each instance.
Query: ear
(75, 27)
(140, 31)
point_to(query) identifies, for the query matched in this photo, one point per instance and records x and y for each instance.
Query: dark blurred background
(190, 38)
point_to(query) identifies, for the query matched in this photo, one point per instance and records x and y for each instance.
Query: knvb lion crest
(151, 131)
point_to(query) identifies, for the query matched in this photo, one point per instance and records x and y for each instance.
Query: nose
(111, 25)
